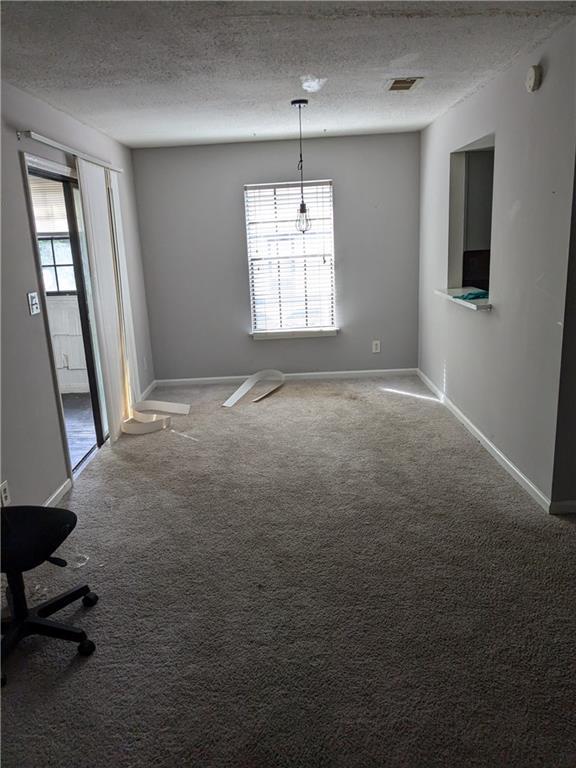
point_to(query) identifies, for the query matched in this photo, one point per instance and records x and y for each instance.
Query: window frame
(298, 332)
(54, 266)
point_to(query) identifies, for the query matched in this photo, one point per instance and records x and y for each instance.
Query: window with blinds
(53, 237)
(291, 273)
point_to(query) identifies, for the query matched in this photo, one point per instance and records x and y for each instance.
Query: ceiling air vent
(403, 83)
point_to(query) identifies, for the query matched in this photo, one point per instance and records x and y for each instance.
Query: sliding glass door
(68, 300)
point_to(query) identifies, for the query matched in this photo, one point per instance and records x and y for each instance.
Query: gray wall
(32, 449)
(502, 369)
(191, 212)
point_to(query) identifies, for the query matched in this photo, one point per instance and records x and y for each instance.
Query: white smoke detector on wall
(534, 78)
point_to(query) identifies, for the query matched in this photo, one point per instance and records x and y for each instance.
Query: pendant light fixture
(303, 222)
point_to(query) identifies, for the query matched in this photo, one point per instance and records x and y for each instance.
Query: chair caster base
(90, 600)
(86, 648)
(35, 621)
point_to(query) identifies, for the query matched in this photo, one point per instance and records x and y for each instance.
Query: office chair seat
(30, 536)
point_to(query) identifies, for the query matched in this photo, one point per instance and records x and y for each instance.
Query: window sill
(301, 333)
(479, 305)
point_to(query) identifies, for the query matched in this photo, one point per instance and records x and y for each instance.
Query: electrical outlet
(375, 346)
(4, 493)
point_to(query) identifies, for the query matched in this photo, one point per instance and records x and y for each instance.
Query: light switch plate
(4, 494)
(33, 303)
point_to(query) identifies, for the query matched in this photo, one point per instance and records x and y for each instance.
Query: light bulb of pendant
(303, 222)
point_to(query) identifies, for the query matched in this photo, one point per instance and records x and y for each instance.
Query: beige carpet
(339, 575)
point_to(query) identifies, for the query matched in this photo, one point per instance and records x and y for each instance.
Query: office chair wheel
(90, 599)
(86, 648)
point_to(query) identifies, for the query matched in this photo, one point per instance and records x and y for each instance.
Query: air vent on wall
(403, 83)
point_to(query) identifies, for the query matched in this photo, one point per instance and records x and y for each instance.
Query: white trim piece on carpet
(152, 416)
(182, 409)
(268, 374)
(500, 457)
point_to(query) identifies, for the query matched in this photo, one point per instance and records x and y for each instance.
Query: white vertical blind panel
(98, 234)
(128, 315)
(90, 301)
(291, 273)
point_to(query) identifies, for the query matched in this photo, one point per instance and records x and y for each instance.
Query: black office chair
(29, 537)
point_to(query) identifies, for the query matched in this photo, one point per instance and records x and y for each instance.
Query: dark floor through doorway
(79, 425)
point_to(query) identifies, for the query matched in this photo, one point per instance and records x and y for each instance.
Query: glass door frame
(46, 169)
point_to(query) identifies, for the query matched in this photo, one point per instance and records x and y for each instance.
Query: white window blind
(291, 273)
(49, 206)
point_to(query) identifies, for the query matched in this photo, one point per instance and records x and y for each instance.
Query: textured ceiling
(157, 73)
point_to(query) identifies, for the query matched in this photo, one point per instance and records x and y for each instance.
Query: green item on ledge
(472, 295)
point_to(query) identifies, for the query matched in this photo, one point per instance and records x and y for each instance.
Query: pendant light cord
(301, 163)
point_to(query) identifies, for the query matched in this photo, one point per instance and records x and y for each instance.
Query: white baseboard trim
(150, 388)
(367, 374)
(431, 386)
(289, 377)
(563, 507)
(199, 381)
(500, 457)
(59, 493)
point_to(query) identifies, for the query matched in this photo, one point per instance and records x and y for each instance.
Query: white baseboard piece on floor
(563, 507)
(500, 457)
(59, 493)
(288, 376)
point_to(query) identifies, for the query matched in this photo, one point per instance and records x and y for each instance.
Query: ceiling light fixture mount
(312, 84)
(303, 222)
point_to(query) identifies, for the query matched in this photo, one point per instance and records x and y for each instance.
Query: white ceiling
(161, 73)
